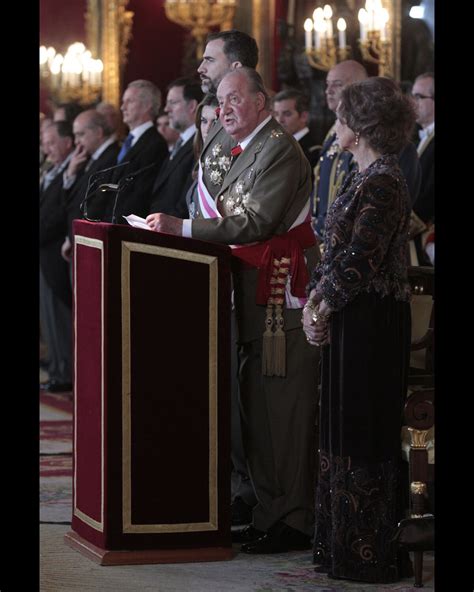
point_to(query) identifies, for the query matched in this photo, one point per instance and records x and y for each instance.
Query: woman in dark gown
(358, 312)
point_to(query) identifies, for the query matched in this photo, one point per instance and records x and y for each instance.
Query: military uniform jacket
(259, 195)
(334, 164)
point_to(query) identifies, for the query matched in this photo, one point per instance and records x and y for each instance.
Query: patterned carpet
(64, 570)
(55, 457)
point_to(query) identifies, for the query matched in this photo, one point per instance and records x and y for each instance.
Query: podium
(151, 461)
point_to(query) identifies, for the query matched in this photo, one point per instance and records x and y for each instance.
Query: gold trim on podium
(211, 262)
(95, 244)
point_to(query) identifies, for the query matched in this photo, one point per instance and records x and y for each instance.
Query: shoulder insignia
(276, 133)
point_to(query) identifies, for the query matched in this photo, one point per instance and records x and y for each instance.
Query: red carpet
(56, 457)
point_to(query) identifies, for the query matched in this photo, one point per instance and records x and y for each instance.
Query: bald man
(334, 164)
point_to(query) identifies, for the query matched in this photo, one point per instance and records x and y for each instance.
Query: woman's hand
(316, 322)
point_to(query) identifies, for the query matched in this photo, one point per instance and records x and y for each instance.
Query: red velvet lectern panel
(152, 390)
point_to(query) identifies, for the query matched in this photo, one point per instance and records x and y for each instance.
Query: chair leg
(418, 555)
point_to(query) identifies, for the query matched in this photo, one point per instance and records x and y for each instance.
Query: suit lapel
(171, 164)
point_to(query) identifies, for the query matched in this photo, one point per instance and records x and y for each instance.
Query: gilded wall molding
(109, 30)
(263, 19)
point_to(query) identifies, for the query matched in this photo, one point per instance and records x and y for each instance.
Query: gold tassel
(267, 348)
(279, 344)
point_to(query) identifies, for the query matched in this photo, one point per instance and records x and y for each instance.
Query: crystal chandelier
(76, 76)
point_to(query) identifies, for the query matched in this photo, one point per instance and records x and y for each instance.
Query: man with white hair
(262, 208)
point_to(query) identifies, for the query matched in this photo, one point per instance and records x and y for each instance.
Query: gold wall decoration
(263, 20)
(109, 30)
(201, 16)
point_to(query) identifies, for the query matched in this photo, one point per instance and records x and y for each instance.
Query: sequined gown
(363, 278)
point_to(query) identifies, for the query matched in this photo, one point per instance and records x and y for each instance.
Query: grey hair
(148, 91)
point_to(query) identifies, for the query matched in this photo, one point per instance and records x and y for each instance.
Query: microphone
(114, 188)
(92, 183)
(125, 181)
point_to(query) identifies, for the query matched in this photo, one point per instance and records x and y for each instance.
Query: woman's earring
(357, 136)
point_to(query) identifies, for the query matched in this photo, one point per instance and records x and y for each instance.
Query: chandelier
(200, 16)
(320, 43)
(76, 76)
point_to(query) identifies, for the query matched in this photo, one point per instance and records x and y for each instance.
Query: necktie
(125, 148)
(176, 147)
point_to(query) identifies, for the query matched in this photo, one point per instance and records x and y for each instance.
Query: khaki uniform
(260, 194)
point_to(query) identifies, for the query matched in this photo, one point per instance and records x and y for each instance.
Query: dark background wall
(156, 49)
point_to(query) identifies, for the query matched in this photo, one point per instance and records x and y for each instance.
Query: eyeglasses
(418, 97)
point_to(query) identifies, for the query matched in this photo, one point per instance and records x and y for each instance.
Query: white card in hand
(137, 221)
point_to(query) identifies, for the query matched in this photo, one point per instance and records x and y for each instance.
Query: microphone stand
(124, 183)
(92, 185)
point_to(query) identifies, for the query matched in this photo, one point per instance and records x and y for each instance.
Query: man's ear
(260, 100)
(193, 105)
(304, 117)
(235, 65)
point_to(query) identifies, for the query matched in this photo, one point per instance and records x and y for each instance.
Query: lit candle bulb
(318, 19)
(363, 17)
(308, 27)
(327, 12)
(341, 27)
(384, 19)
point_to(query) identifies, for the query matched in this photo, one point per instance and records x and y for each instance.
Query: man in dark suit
(423, 92)
(174, 177)
(259, 201)
(95, 150)
(143, 152)
(55, 287)
(291, 110)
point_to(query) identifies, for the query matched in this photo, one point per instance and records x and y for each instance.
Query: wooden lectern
(151, 481)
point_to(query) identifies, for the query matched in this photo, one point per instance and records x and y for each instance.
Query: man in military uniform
(224, 52)
(334, 164)
(257, 199)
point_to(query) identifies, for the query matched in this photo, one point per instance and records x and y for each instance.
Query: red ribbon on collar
(236, 150)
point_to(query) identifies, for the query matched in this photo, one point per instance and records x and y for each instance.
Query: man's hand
(66, 249)
(165, 223)
(78, 160)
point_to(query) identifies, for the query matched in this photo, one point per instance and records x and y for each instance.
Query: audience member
(205, 117)
(334, 163)
(55, 288)
(114, 119)
(142, 154)
(44, 163)
(67, 112)
(96, 149)
(423, 93)
(175, 176)
(358, 312)
(163, 126)
(291, 110)
(262, 203)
